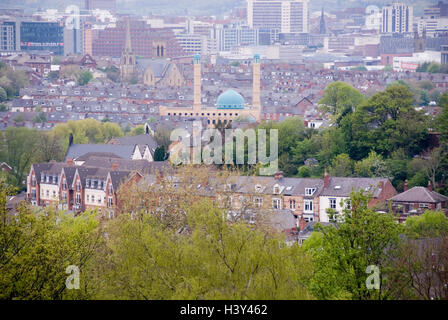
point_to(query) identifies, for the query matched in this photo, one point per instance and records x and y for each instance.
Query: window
(292, 204)
(332, 203)
(78, 198)
(258, 202)
(64, 195)
(349, 204)
(78, 186)
(88, 198)
(308, 218)
(64, 184)
(47, 193)
(110, 188)
(308, 206)
(309, 191)
(423, 205)
(93, 198)
(276, 203)
(110, 202)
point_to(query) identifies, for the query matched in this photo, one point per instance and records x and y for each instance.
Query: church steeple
(127, 46)
(322, 28)
(128, 63)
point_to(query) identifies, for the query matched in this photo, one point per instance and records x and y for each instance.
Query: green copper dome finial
(197, 58)
(230, 99)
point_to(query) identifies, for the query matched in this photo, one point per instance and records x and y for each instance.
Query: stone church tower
(128, 64)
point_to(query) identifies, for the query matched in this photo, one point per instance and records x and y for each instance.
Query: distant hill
(202, 7)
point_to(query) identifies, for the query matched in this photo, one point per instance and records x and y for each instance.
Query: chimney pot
(278, 175)
(405, 187)
(326, 179)
(429, 186)
(114, 166)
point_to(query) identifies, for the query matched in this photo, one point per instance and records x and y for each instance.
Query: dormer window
(309, 191)
(258, 187)
(276, 189)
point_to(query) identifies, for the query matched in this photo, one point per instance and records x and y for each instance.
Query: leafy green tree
(339, 99)
(431, 224)
(3, 107)
(442, 119)
(84, 78)
(342, 253)
(19, 118)
(3, 95)
(17, 148)
(304, 172)
(385, 122)
(36, 249)
(373, 166)
(342, 166)
(214, 260)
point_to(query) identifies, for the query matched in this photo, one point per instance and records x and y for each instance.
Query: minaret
(322, 28)
(256, 102)
(196, 84)
(127, 58)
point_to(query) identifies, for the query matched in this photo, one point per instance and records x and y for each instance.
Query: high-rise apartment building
(397, 18)
(287, 16)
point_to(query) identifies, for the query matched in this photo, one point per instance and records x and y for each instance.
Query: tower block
(196, 84)
(256, 101)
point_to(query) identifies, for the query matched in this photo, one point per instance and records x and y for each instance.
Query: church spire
(322, 28)
(127, 46)
(128, 62)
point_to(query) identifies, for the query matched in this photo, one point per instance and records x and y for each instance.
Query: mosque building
(230, 105)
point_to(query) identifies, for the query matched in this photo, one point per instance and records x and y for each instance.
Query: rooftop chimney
(405, 187)
(114, 166)
(326, 179)
(278, 175)
(429, 185)
(70, 162)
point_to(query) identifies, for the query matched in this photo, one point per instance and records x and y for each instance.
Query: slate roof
(141, 140)
(343, 186)
(419, 194)
(77, 150)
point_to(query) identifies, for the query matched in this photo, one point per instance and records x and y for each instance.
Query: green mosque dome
(230, 99)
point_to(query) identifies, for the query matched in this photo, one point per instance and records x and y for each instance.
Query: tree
(339, 99)
(342, 252)
(3, 95)
(342, 166)
(3, 107)
(19, 118)
(442, 119)
(373, 166)
(431, 224)
(36, 249)
(160, 154)
(84, 78)
(385, 122)
(18, 147)
(51, 147)
(304, 172)
(214, 260)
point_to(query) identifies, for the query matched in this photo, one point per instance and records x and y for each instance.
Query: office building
(42, 36)
(287, 16)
